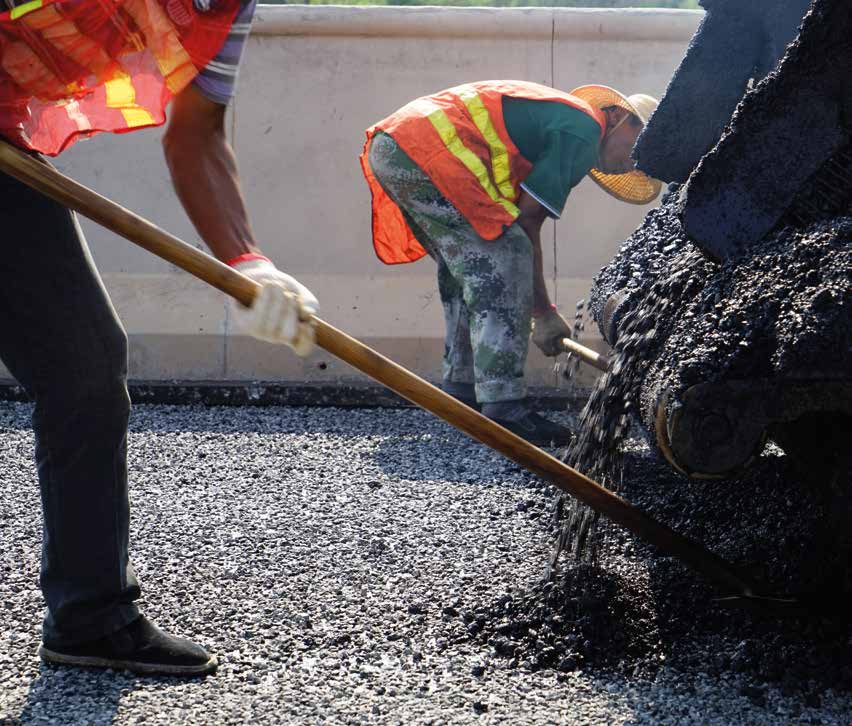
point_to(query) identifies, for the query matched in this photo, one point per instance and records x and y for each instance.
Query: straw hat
(635, 186)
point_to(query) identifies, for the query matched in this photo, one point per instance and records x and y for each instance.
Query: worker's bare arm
(204, 173)
(531, 219)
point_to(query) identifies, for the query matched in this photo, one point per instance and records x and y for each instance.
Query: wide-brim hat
(634, 187)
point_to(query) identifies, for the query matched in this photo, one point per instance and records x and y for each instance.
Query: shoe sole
(150, 669)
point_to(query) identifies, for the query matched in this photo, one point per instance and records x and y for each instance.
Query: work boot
(139, 647)
(520, 419)
(464, 392)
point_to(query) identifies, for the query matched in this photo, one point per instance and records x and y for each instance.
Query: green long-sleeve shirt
(559, 140)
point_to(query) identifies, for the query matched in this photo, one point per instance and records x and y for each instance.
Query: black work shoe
(462, 392)
(139, 647)
(537, 429)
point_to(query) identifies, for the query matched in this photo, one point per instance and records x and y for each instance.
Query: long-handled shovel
(116, 218)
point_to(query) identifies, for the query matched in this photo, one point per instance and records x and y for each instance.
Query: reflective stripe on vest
(458, 138)
(162, 40)
(22, 10)
(449, 135)
(499, 152)
(121, 95)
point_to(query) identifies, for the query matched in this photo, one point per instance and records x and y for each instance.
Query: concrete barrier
(313, 79)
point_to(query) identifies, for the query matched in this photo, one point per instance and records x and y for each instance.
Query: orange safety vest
(73, 68)
(459, 139)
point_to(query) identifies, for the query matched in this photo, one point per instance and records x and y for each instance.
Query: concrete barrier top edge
(431, 21)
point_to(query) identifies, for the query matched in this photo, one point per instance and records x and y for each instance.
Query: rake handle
(47, 180)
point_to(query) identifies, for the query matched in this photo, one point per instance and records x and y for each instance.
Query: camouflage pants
(485, 286)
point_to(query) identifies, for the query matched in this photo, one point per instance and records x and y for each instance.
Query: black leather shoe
(537, 429)
(139, 647)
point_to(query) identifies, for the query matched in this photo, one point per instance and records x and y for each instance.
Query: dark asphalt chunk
(737, 44)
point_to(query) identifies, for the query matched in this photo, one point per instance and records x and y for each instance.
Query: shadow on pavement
(71, 695)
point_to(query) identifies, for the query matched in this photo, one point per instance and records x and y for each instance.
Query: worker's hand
(282, 310)
(548, 329)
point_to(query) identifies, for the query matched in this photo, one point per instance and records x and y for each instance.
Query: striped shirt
(218, 79)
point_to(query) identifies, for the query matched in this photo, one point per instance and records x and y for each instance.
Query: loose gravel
(346, 566)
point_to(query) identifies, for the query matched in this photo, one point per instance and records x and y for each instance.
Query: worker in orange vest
(59, 334)
(468, 176)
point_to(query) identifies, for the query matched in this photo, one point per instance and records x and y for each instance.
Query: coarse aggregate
(347, 566)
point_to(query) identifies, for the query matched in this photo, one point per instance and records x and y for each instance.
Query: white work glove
(282, 310)
(548, 329)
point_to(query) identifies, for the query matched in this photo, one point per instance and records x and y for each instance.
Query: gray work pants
(61, 339)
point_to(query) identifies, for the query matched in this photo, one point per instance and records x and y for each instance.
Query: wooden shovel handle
(587, 355)
(47, 180)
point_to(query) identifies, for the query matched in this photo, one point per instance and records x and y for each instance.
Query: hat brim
(634, 187)
(603, 96)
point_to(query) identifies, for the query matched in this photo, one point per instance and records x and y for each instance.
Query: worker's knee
(106, 391)
(106, 388)
(91, 389)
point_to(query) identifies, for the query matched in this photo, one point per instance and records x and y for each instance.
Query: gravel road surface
(333, 559)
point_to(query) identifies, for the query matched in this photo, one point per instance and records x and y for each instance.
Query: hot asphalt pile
(773, 312)
(374, 566)
(781, 311)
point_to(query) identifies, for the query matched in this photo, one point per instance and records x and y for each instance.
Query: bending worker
(468, 176)
(61, 338)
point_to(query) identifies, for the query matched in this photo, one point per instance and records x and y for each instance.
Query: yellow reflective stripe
(120, 92)
(20, 10)
(499, 152)
(121, 95)
(451, 140)
(137, 117)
